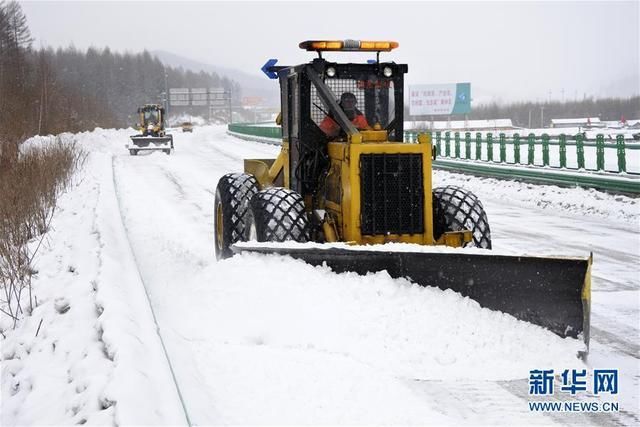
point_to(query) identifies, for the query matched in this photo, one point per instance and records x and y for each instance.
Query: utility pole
(166, 92)
(529, 118)
(230, 108)
(542, 116)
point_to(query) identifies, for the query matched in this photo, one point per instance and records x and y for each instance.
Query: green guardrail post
(447, 144)
(478, 146)
(532, 148)
(439, 143)
(503, 147)
(490, 147)
(580, 150)
(563, 150)
(600, 152)
(516, 148)
(456, 139)
(545, 149)
(408, 136)
(467, 145)
(622, 160)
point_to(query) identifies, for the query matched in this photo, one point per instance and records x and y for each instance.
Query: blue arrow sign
(265, 68)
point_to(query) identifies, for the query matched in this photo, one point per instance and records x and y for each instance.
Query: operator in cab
(348, 102)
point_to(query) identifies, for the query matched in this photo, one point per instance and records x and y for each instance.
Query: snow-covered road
(269, 340)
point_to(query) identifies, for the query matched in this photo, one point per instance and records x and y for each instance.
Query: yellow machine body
(343, 187)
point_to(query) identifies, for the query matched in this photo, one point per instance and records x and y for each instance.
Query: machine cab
(316, 111)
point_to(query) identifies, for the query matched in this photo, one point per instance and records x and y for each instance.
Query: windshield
(372, 96)
(151, 116)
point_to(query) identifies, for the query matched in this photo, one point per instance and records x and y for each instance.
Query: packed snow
(136, 322)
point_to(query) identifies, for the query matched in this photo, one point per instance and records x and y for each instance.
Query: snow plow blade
(152, 142)
(552, 292)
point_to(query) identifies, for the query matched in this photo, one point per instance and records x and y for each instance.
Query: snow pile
(390, 325)
(577, 201)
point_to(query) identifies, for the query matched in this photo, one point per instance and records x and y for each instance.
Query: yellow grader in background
(346, 175)
(152, 131)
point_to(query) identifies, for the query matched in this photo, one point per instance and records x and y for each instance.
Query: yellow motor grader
(153, 136)
(345, 174)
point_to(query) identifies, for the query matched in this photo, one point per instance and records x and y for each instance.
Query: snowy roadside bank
(96, 357)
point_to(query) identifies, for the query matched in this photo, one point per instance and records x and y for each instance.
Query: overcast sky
(507, 50)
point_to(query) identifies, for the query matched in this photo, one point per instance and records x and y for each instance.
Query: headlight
(387, 71)
(331, 71)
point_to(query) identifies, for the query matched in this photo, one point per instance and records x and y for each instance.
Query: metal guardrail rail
(256, 130)
(524, 149)
(606, 182)
(478, 157)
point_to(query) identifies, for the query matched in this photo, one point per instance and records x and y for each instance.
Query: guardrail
(256, 130)
(529, 158)
(572, 153)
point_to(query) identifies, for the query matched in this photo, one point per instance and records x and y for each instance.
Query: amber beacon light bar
(348, 45)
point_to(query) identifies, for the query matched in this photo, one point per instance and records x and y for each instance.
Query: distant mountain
(252, 85)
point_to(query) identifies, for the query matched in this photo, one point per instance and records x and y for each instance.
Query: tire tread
(457, 209)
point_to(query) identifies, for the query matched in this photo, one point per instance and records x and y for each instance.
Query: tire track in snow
(117, 193)
(488, 401)
(172, 241)
(616, 341)
(95, 285)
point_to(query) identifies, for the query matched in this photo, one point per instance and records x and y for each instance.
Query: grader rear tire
(233, 194)
(456, 209)
(277, 215)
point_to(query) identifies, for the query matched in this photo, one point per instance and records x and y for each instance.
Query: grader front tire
(233, 193)
(277, 215)
(457, 209)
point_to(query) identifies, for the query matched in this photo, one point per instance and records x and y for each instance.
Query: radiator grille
(392, 195)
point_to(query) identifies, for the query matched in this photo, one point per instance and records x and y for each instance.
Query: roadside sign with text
(440, 99)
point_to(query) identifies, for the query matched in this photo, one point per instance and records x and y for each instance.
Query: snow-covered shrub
(30, 183)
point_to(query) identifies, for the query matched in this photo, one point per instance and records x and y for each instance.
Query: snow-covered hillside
(269, 340)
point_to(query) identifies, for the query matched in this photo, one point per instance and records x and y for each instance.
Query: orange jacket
(332, 129)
